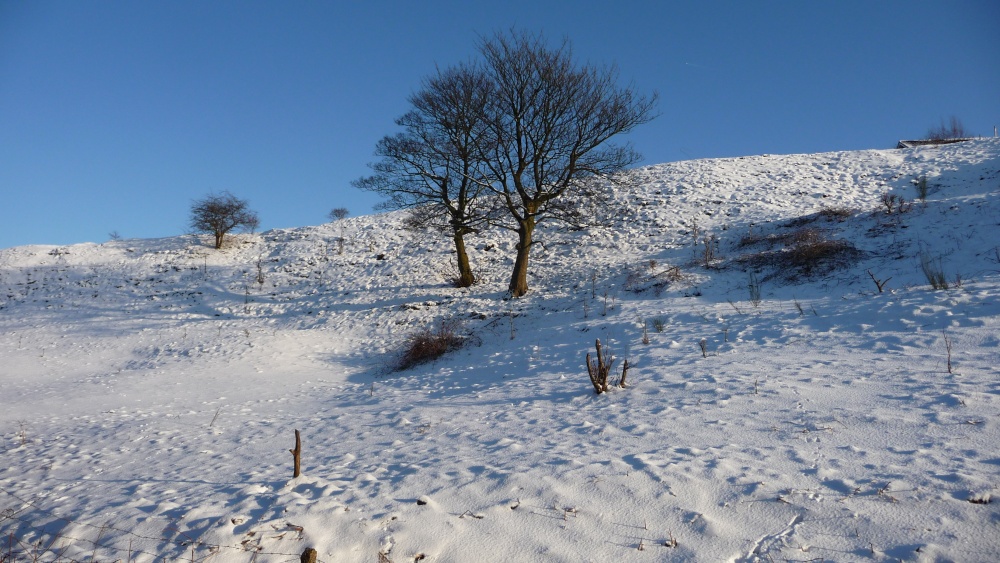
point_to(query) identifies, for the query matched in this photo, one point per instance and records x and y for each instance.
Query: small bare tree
(337, 215)
(220, 214)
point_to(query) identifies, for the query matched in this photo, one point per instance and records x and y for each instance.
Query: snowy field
(783, 409)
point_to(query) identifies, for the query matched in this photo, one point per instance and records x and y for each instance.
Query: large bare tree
(431, 167)
(549, 125)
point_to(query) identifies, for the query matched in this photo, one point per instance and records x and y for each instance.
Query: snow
(151, 388)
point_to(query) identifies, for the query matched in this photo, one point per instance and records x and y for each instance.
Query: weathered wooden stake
(295, 455)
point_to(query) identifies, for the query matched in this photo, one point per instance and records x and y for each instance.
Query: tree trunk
(465, 276)
(218, 239)
(519, 278)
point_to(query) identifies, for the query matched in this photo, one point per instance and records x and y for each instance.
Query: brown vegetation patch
(428, 344)
(803, 252)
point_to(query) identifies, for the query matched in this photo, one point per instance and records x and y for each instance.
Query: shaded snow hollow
(150, 388)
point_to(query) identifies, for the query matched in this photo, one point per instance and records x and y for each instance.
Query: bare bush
(599, 369)
(894, 203)
(709, 251)
(880, 284)
(428, 344)
(953, 130)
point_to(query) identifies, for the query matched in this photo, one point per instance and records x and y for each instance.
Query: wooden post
(295, 455)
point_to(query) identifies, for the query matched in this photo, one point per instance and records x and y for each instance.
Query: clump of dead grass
(429, 344)
(802, 252)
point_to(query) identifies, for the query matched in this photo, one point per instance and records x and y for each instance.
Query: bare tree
(220, 214)
(954, 130)
(432, 167)
(338, 214)
(549, 123)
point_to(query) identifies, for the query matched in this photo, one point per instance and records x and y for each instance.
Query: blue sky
(115, 115)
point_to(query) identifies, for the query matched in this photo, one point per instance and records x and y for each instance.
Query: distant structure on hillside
(923, 142)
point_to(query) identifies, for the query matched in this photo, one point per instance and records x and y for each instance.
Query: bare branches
(953, 130)
(432, 167)
(219, 214)
(549, 123)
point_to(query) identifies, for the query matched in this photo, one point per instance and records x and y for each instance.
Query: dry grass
(653, 276)
(933, 271)
(802, 252)
(837, 213)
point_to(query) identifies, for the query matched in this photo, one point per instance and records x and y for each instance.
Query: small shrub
(880, 284)
(427, 344)
(659, 324)
(894, 203)
(710, 250)
(947, 346)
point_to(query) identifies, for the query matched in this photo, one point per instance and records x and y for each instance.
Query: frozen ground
(149, 389)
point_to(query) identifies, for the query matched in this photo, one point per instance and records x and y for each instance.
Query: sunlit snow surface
(150, 389)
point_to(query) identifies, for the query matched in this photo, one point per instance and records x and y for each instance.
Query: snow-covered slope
(781, 410)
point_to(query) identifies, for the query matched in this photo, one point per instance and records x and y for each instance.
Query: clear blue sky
(115, 115)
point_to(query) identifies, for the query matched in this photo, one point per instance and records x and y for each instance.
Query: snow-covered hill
(783, 409)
